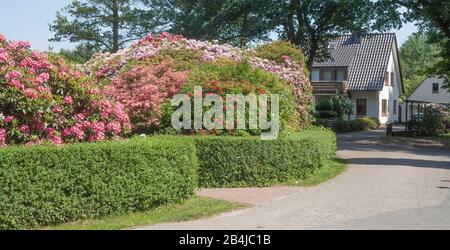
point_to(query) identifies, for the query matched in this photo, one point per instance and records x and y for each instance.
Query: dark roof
(367, 59)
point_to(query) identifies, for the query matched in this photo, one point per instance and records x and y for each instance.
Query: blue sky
(28, 20)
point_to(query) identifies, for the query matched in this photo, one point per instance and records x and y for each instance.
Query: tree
(433, 17)
(238, 22)
(104, 25)
(311, 24)
(418, 57)
(342, 105)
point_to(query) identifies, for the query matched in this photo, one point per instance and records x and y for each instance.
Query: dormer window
(435, 88)
(332, 45)
(329, 75)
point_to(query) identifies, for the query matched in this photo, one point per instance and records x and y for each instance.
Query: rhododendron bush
(144, 76)
(43, 99)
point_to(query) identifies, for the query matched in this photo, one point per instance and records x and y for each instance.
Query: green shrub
(430, 123)
(248, 161)
(45, 185)
(226, 77)
(327, 114)
(324, 105)
(369, 123)
(360, 124)
(275, 51)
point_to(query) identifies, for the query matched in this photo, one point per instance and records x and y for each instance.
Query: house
(429, 92)
(367, 70)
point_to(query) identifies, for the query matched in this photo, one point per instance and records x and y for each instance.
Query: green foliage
(360, 124)
(431, 123)
(75, 56)
(227, 77)
(104, 25)
(275, 51)
(432, 18)
(248, 161)
(237, 22)
(184, 59)
(418, 56)
(312, 24)
(327, 114)
(48, 185)
(324, 105)
(370, 123)
(342, 105)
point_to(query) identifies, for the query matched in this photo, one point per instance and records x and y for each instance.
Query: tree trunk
(312, 53)
(115, 28)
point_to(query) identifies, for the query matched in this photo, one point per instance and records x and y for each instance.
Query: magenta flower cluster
(46, 100)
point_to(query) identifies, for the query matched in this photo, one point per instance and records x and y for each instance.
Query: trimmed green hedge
(248, 161)
(47, 185)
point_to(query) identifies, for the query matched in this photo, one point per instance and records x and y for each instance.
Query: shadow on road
(401, 162)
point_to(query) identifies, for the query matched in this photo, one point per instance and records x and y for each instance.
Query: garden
(333, 113)
(87, 141)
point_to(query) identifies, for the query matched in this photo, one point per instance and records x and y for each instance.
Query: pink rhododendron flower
(3, 137)
(57, 109)
(24, 129)
(9, 119)
(68, 100)
(32, 94)
(12, 75)
(114, 127)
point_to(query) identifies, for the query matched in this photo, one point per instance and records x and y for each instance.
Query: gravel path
(387, 186)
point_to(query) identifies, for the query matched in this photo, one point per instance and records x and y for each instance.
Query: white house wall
(391, 93)
(372, 102)
(424, 93)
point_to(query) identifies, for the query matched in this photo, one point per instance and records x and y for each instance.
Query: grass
(192, 209)
(333, 169)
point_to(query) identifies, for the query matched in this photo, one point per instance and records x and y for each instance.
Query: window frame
(357, 107)
(433, 88)
(384, 107)
(386, 79)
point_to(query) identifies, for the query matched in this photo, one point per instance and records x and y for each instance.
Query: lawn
(192, 209)
(333, 169)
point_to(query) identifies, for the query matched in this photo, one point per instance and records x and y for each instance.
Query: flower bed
(44, 99)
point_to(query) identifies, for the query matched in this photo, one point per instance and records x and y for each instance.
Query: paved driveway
(386, 186)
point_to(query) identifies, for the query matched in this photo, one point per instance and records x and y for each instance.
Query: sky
(28, 20)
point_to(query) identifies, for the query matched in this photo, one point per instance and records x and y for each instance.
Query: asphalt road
(387, 186)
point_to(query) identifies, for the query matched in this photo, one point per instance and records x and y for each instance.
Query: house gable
(366, 59)
(424, 93)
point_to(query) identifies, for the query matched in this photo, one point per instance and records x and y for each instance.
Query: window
(361, 107)
(392, 79)
(435, 87)
(332, 45)
(340, 75)
(327, 75)
(386, 79)
(384, 107)
(315, 75)
(395, 107)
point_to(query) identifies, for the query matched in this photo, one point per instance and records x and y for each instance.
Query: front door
(361, 107)
(400, 114)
